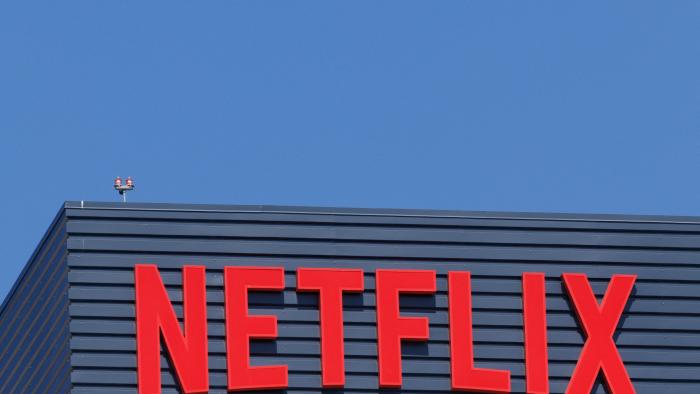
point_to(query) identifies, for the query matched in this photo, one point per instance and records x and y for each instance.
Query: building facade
(70, 322)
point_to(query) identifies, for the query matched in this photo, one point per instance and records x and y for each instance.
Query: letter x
(599, 323)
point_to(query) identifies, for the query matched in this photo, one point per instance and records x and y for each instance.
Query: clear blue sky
(490, 105)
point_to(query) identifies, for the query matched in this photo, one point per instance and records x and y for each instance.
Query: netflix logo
(188, 349)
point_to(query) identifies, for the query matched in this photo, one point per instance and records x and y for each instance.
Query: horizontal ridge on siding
(504, 268)
(659, 336)
(416, 235)
(386, 250)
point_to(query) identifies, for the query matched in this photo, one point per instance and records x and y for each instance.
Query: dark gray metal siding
(34, 337)
(659, 337)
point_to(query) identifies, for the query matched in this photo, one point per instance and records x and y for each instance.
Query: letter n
(155, 316)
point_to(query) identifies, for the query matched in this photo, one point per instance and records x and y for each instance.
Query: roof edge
(387, 212)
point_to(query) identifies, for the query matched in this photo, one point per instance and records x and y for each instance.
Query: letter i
(535, 332)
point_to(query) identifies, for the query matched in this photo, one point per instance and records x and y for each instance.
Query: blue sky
(477, 105)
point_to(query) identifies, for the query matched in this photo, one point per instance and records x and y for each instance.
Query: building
(69, 323)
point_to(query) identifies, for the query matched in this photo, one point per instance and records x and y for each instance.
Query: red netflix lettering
(241, 328)
(464, 375)
(535, 331)
(599, 323)
(330, 284)
(186, 344)
(155, 315)
(391, 327)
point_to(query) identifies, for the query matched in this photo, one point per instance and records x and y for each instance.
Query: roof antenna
(122, 189)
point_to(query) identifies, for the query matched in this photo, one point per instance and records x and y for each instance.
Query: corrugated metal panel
(34, 327)
(659, 338)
